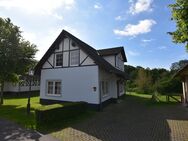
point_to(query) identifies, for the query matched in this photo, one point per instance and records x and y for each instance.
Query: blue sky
(140, 26)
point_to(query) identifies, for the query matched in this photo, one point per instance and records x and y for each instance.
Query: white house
(71, 70)
(23, 85)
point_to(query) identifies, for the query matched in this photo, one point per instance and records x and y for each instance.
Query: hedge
(58, 112)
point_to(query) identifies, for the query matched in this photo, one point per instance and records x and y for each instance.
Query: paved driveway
(9, 131)
(131, 120)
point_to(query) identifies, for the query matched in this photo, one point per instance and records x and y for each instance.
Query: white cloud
(41, 7)
(140, 6)
(30, 36)
(119, 18)
(162, 47)
(57, 16)
(44, 40)
(147, 40)
(144, 26)
(133, 53)
(71, 30)
(97, 6)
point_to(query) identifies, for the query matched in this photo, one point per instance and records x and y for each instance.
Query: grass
(15, 109)
(147, 97)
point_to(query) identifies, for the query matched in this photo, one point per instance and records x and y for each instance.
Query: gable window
(74, 57)
(54, 87)
(59, 59)
(104, 88)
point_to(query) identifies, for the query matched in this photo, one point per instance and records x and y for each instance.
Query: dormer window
(59, 59)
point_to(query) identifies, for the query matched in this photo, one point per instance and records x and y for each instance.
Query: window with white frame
(104, 88)
(74, 57)
(59, 59)
(54, 87)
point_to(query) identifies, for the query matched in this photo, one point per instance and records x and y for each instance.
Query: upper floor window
(74, 57)
(59, 59)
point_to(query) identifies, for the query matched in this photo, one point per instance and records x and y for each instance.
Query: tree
(179, 15)
(16, 54)
(143, 81)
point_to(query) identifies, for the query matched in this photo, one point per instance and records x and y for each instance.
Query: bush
(170, 86)
(58, 112)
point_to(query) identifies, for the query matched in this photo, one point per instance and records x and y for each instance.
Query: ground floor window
(104, 88)
(53, 87)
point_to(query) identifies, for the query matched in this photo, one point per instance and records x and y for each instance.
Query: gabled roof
(181, 72)
(113, 51)
(85, 47)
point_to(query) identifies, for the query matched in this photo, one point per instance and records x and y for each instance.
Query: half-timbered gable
(67, 54)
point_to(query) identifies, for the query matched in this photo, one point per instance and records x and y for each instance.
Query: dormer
(115, 56)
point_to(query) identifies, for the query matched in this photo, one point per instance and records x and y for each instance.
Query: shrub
(169, 86)
(58, 112)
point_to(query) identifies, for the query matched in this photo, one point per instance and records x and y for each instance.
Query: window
(59, 59)
(50, 87)
(74, 57)
(54, 87)
(57, 87)
(104, 88)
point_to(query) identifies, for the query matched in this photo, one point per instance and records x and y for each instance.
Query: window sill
(104, 96)
(55, 95)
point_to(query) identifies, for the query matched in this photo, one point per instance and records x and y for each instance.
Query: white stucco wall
(112, 79)
(77, 83)
(110, 59)
(119, 62)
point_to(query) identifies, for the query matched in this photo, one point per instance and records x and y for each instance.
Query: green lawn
(15, 109)
(162, 98)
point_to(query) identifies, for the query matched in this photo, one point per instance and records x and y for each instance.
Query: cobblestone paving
(131, 120)
(10, 131)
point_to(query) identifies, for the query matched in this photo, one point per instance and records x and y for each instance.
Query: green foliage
(169, 86)
(143, 80)
(57, 113)
(16, 54)
(150, 81)
(179, 15)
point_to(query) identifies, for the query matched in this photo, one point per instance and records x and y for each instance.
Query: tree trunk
(1, 97)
